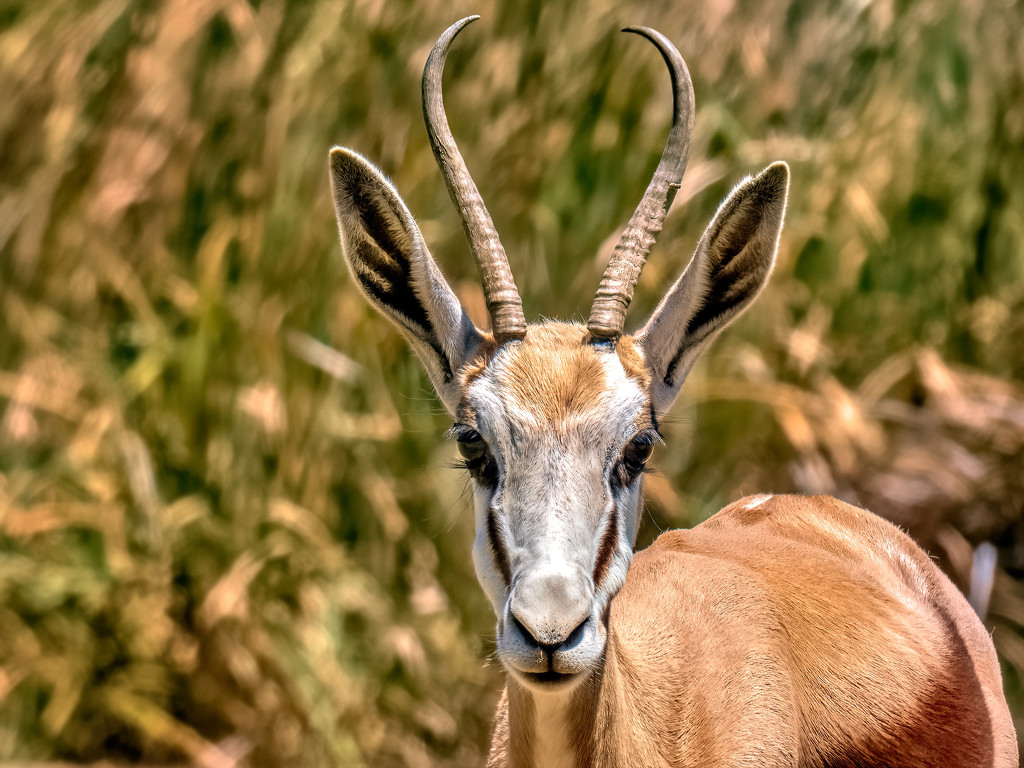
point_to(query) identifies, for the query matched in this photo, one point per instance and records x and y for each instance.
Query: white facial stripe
(625, 398)
(553, 503)
(556, 416)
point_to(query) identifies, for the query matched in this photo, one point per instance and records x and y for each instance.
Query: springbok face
(555, 422)
(555, 431)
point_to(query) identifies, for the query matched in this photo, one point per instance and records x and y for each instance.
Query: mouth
(549, 680)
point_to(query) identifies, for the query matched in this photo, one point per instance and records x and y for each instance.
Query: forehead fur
(555, 373)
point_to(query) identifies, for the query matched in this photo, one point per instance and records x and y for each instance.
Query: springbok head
(554, 421)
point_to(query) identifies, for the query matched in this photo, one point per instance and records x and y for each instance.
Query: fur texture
(784, 632)
(794, 632)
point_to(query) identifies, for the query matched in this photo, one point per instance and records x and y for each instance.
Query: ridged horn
(503, 302)
(608, 314)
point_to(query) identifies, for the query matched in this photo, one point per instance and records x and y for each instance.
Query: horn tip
(643, 31)
(446, 39)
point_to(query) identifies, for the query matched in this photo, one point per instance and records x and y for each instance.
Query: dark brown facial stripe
(607, 547)
(498, 550)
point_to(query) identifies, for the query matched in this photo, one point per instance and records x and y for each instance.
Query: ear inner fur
(731, 264)
(386, 254)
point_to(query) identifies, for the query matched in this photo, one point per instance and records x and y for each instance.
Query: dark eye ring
(471, 445)
(637, 452)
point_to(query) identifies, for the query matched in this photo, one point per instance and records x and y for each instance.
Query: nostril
(576, 635)
(526, 633)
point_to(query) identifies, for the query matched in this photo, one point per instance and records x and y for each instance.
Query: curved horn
(608, 315)
(503, 302)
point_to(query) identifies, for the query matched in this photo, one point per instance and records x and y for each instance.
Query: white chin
(558, 671)
(547, 682)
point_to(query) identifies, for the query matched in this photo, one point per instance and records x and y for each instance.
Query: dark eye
(477, 458)
(471, 446)
(634, 457)
(637, 452)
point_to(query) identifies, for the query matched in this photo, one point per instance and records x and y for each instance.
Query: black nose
(550, 644)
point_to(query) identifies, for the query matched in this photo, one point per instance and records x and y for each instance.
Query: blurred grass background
(228, 534)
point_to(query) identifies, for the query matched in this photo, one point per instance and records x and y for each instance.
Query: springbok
(783, 631)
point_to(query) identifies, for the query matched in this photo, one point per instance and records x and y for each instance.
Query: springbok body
(784, 631)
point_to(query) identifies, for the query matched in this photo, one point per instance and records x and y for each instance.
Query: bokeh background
(229, 531)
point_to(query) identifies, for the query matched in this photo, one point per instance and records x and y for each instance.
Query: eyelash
(622, 475)
(482, 469)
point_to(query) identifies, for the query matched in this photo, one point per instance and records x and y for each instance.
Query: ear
(731, 264)
(388, 258)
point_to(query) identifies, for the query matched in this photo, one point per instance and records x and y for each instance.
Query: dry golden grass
(227, 531)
